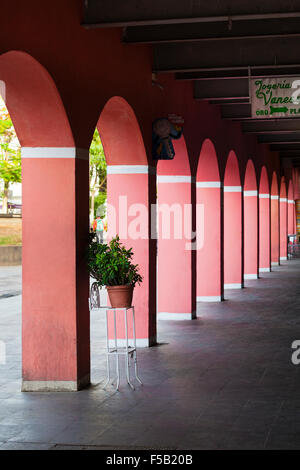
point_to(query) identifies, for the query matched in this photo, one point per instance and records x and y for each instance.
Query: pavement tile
(223, 381)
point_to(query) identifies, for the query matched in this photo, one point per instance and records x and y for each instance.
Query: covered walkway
(222, 381)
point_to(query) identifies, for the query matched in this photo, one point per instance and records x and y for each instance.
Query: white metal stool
(127, 351)
(116, 350)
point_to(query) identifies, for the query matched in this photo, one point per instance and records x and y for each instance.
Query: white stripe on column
(283, 258)
(264, 196)
(274, 197)
(283, 199)
(208, 184)
(250, 276)
(291, 201)
(176, 316)
(274, 263)
(130, 169)
(209, 298)
(250, 193)
(233, 286)
(232, 189)
(264, 270)
(54, 152)
(175, 179)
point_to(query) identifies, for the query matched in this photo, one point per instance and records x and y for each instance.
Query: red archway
(209, 230)
(274, 221)
(120, 134)
(176, 296)
(130, 191)
(250, 223)
(264, 223)
(54, 235)
(291, 208)
(233, 248)
(283, 219)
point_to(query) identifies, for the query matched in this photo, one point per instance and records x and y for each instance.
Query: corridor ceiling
(218, 45)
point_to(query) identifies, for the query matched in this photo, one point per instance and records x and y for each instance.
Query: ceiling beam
(279, 139)
(241, 54)
(279, 126)
(275, 72)
(218, 31)
(222, 89)
(288, 147)
(115, 13)
(229, 101)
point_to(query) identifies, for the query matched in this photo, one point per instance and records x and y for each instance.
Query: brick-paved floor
(223, 381)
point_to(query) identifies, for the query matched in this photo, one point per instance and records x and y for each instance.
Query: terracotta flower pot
(120, 296)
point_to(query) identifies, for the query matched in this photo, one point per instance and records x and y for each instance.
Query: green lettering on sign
(275, 97)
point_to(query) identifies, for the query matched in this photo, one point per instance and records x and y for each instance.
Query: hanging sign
(275, 97)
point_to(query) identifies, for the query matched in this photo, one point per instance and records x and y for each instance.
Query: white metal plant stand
(129, 352)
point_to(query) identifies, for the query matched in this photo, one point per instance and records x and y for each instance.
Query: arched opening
(130, 192)
(233, 248)
(291, 208)
(176, 296)
(274, 221)
(296, 186)
(55, 317)
(250, 223)
(283, 219)
(264, 223)
(209, 226)
(10, 180)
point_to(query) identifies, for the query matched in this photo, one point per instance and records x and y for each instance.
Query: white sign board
(275, 97)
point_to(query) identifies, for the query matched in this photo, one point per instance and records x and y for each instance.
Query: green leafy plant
(97, 175)
(111, 264)
(10, 155)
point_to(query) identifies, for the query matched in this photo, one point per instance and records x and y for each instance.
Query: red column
(250, 234)
(275, 226)
(296, 196)
(129, 192)
(55, 331)
(176, 299)
(233, 275)
(209, 238)
(274, 230)
(291, 209)
(283, 228)
(264, 233)
(291, 216)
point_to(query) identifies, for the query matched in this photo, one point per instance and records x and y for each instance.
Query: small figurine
(163, 131)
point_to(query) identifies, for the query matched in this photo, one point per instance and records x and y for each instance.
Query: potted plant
(111, 266)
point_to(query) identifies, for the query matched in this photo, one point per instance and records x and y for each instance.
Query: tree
(10, 155)
(97, 174)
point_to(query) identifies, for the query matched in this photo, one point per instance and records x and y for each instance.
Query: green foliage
(99, 200)
(111, 264)
(97, 159)
(10, 168)
(10, 240)
(97, 174)
(10, 157)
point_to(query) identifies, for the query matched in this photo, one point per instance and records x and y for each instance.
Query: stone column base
(55, 385)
